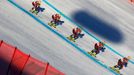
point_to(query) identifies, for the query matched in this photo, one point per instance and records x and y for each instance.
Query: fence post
(25, 64)
(11, 60)
(46, 69)
(1, 43)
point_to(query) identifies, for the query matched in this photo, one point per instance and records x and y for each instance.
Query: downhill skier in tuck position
(120, 64)
(76, 33)
(97, 48)
(56, 20)
(37, 7)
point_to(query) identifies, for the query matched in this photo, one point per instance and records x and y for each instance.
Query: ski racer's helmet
(78, 30)
(101, 44)
(57, 16)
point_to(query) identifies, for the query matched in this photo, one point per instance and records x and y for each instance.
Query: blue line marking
(110, 48)
(64, 38)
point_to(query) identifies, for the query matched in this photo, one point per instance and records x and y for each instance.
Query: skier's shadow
(98, 26)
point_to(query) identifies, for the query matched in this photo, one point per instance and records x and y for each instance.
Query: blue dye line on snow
(110, 48)
(64, 38)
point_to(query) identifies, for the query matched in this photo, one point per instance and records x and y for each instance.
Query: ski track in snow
(19, 29)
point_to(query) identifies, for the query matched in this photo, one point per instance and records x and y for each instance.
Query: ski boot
(71, 38)
(115, 69)
(92, 53)
(52, 24)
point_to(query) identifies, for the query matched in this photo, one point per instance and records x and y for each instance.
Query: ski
(71, 39)
(92, 53)
(34, 12)
(52, 25)
(116, 70)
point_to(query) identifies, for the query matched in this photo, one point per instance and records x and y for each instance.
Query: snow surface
(19, 29)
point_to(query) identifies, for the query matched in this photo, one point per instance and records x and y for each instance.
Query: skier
(35, 5)
(122, 63)
(76, 33)
(97, 48)
(56, 19)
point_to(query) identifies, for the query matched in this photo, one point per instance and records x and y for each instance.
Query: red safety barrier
(34, 67)
(52, 71)
(15, 62)
(131, 1)
(18, 62)
(6, 53)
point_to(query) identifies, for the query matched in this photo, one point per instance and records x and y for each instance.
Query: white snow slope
(23, 31)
